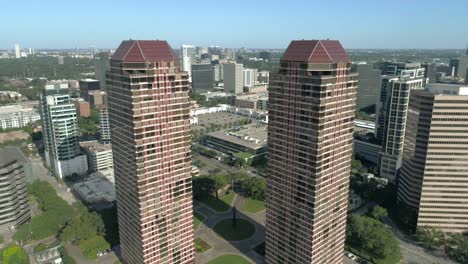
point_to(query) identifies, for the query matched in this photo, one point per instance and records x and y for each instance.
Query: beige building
(434, 174)
(233, 78)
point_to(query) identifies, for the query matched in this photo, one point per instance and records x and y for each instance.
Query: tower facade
(188, 53)
(233, 78)
(60, 128)
(310, 133)
(434, 175)
(392, 109)
(149, 115)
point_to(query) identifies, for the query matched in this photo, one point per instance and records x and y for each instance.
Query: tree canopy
(372, 236)
(83, 227)
(378, 212)
(254, 187)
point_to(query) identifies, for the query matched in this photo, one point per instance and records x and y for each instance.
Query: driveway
(75, 253)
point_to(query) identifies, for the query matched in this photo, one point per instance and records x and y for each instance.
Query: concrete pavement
(221, 246)
(41, 173)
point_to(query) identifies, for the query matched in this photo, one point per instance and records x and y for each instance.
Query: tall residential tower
(149, 115)
(392, 108)
(310, 134)
(60, 126)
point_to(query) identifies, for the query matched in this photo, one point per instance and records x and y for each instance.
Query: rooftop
(250, 136)
(315, 51)
(95, 146)
(10, 154)
(144, 50)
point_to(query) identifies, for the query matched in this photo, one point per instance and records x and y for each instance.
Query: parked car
(351, 256)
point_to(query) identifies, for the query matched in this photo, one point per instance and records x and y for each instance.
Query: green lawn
(229, 259)
(392, 259)
(253, 206)
(92, 246)
(201, 245)
(197, 219)
(219, 205)
(243, 230)
(14, 254)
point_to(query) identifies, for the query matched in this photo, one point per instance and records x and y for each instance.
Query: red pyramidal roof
(144, 50)
(318, 51)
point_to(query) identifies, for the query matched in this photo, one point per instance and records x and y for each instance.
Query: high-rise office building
(149, 111)
(17, 51)
(434, 175)
(233, 78)
(87, 85)
(230, 54)
(368, 90)
(463, 65)
(104, 124)
(60, 128)
(392, 108)
(14, 202)
(454, 65)
(430, 72)
(188, 54)
(310, 134)
(250, 77)
(466, 79)
(202, 78)
(217, 76)
(101, 66)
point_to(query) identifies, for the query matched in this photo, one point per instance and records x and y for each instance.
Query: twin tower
(311, 113)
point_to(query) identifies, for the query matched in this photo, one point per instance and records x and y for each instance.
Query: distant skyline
(252, 24)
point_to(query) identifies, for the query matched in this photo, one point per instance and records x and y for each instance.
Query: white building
(99, 155)
(15, 116)
(17, 51)
(188, 54)
(250, 77)
(60, 128)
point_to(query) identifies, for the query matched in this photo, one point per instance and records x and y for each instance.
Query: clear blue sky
(235, 23)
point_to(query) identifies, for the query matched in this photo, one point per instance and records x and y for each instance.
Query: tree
(456, 248)
(243, 159)
(14, 254)
(431, 237)
(371, 236)
(378, 212)
(220, 181)
(202, 186)
(84, 227)
(254, 187)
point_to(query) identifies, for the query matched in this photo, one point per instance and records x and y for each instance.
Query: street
(410, 252)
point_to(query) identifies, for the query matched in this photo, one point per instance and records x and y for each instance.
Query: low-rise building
(354, 202)
(99, 188)
(49, 256)
(82, 107)
(99, 155)
(15, 116)
(9, 96)
(249, 102)
(366, 150)
(248, 138)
